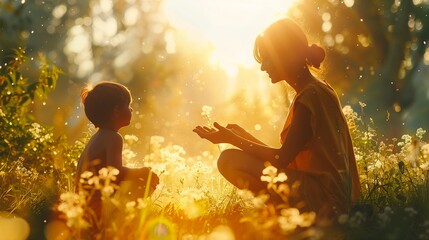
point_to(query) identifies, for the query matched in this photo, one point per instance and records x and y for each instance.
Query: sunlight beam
(229, 25)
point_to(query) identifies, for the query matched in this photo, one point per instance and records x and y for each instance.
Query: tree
(123, 41)
(376, 49)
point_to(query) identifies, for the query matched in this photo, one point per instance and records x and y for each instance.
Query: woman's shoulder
(316, 94)
(316, 88)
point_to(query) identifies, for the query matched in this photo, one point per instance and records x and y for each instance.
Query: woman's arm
(235, 128)
(297, 137)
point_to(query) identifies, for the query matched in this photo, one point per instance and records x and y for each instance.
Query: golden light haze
(230, 26)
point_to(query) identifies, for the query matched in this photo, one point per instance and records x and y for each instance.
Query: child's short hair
(100, 101)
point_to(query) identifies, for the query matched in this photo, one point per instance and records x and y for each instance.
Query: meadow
(192, 201)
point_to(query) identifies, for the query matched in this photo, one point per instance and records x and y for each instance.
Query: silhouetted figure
(107, 106)
(316, 146)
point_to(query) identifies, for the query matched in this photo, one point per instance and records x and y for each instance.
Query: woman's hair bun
(315, 55)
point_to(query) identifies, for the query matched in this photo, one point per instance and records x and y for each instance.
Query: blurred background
(177, 56)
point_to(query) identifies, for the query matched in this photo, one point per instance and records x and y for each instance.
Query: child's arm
(114, 159)
(114, 153)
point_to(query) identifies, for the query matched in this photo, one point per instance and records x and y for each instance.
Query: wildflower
(411, 211)
(385, 217)
(156, 140)
(86, 174)
(425, 233)
(36, 130)
(245, 194)
(424, 166)
(192, 202)
(362, 104)
(206, 110)
(407, 138)
(71, 206)
(281, 177)
(357, 219)
(260, 200)
(377, 165)
(128, 155)
(94, 181)
(270, 175)
(173, 153)
(108, 190)
(130, 209)
(291, 218)
(270, 171)
(347, 110)
(160, 168)
(199, 167)
(131, 138)
(425, 150)
(108, 173)
(420, 132)
(142, 203)
(130, 205)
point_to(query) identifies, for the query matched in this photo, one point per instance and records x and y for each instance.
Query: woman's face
(267, 65)
(281, 65)
(282, 56)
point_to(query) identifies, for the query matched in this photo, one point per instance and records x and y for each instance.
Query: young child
(107, 106)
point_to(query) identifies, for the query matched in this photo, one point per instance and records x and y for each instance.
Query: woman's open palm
(216, 135)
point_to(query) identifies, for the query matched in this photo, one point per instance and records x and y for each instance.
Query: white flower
(411, 211)
(291, 218)
(280, 178)
(87, 174)
(420, 132)
(206, 110)
(155, 141)
(357, 219)
(347, 110)
(131, 138)
(270, 170)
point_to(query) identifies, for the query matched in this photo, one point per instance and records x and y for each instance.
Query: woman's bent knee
(226, 157)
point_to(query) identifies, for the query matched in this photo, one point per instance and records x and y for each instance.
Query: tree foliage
(377, 51)
(30, 154)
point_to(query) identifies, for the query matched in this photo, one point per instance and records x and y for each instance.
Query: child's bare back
(107, 106)
(103, 149)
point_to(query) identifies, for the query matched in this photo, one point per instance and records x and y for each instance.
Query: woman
(316, 146)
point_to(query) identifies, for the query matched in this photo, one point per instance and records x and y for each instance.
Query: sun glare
(229, 25)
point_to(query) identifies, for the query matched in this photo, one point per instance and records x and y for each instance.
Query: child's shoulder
(107, 136)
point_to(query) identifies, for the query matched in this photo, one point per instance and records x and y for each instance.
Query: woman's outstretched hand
(216, 135)
(235, 128)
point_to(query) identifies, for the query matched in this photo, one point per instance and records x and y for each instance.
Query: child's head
(103, 99)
